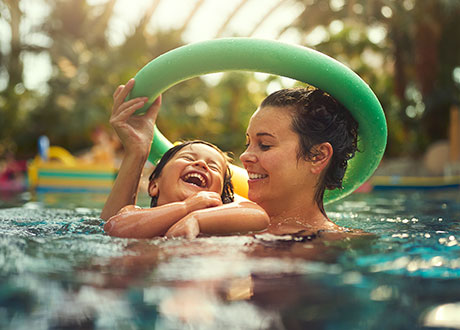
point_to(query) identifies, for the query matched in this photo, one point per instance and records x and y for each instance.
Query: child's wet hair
(227, 195)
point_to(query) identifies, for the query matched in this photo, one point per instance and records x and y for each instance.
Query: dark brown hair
(317, 117)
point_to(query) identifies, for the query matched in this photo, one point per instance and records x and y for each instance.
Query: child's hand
(135, 132)
(186, 227)
(202, 200)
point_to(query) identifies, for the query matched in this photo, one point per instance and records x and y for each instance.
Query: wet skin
(277, 179)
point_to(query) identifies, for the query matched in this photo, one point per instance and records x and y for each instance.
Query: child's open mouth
(196, 179)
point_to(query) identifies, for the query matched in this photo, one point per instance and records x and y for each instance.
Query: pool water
(59, 271)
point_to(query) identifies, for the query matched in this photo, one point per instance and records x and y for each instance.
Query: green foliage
(406, 50)
(412, 73)
(219, 114)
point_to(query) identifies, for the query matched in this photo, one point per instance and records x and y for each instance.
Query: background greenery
(407, 50)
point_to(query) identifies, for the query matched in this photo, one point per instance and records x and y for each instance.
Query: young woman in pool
(298, 144)
(188, 186)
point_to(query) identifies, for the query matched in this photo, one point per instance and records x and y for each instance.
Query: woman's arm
(136, 135)
(240, 217)
(133, 222)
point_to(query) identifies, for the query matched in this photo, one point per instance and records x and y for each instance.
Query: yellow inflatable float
(64, 172)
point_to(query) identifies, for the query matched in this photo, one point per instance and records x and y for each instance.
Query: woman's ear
(153, 188)
(323, 155)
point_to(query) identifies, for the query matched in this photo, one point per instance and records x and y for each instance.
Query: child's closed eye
(214, 167)
(187, 157)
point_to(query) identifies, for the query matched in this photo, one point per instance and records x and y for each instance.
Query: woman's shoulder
(331, 232)
(237, 198)
(340, 233)
(129, 208)
(244, 202)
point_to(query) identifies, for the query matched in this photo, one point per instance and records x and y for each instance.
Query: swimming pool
(58, 270)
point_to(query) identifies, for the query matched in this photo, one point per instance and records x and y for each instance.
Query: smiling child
(190, 187)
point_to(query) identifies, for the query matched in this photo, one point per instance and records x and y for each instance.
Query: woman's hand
(187, 227)
(135, 132)
(202, 200)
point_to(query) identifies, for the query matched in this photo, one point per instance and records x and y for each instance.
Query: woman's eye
(264, 147)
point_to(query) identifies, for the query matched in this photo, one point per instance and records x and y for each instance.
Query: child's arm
(124, 190)
(132, 222)
(239, 217)
(136, 135)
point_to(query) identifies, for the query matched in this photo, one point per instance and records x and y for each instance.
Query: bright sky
(209, 17)
(170, 14)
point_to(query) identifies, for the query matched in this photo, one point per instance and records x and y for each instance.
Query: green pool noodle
(277, 58)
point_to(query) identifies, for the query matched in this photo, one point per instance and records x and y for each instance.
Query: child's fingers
(138, 101)
(216, 202)
(129, 103)
(117, 91)
(213, 200)
(208, 193)
(127, 109)
(152, 112)
(212, 195)
(121, 96)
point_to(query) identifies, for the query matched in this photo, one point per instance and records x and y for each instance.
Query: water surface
(58, 270)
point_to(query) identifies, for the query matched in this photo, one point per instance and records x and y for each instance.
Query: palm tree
(265, 17)
(190, 16)
(418, 55)
(18, 98)
(229, 18)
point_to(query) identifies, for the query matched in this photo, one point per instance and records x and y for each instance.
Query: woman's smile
(277, 177)
(256, 176)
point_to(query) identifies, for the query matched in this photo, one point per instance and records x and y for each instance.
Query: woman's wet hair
(227, 195)
(317, 117)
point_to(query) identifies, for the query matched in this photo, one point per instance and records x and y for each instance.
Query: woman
(298, 144)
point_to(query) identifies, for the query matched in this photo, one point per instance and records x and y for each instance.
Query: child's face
(196, 167)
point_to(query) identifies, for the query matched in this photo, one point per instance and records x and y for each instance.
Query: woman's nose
(247, 156)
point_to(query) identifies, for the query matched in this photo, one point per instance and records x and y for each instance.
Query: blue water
(59, 271)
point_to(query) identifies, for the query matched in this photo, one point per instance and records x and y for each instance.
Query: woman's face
(278, 180)
(196, 167)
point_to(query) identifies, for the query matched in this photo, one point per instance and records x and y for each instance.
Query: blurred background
(61, 60)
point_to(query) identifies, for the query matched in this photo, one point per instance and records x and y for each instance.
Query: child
(188, 186)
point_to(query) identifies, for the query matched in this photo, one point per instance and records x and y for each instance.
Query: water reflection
(443, 316)
(58, 270)
(236, 282)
